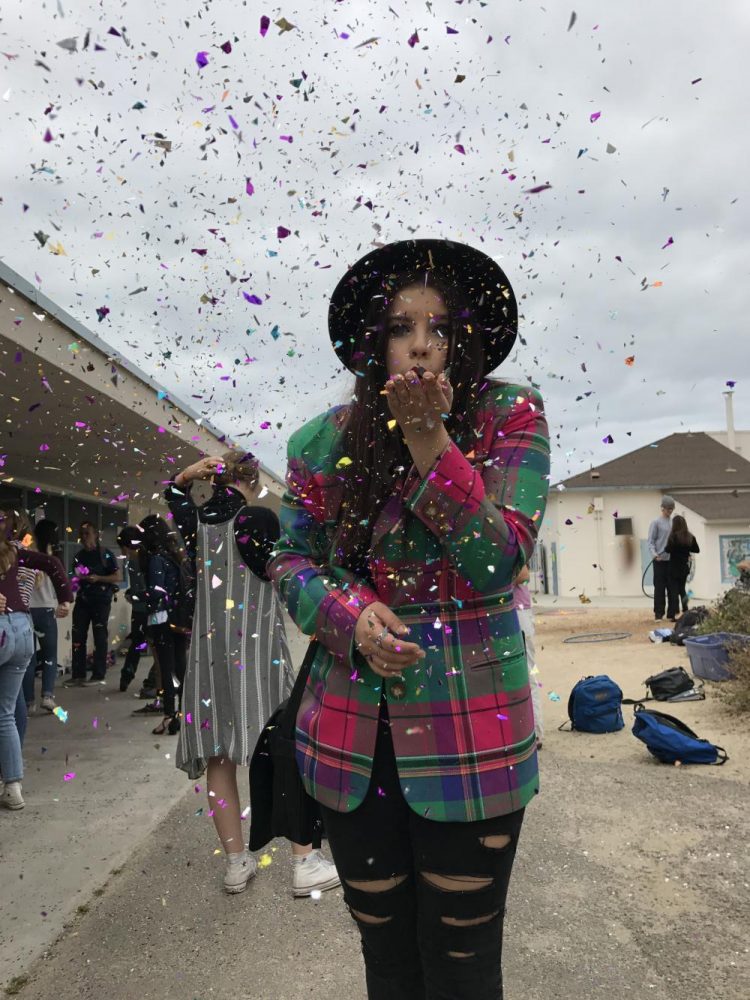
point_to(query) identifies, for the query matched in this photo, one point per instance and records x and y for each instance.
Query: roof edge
(33, 295)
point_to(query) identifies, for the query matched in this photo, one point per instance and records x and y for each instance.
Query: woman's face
(418, 331)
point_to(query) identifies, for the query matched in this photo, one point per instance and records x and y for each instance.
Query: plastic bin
(709, 655)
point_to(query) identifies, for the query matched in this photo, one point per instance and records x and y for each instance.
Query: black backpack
(674, 684)
(686, 626)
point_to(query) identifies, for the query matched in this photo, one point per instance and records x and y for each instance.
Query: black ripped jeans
(428, 897)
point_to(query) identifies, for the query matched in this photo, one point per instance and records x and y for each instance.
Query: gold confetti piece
(392, 424)
(230, 604)
(264, 860)
(343, 462)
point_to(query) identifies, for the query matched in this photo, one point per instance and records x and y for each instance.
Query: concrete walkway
(63, 846)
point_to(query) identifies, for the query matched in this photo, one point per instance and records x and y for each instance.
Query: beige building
(594, 537)
(85, 434)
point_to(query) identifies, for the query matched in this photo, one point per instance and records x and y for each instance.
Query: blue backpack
(594, 706)
(670, 740)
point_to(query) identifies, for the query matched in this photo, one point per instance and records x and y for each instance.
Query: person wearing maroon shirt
(16, 646)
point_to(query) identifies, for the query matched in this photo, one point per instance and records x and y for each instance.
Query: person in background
(679, 546)
(162, 601)
(95, 574)
(17, 645)
(658, 533)
(239, 668)
(130, 540)
(45, 611)
(522, 603)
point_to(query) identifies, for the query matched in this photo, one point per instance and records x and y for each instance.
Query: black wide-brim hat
(482, 281)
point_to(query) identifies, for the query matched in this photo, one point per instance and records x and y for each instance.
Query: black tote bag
(279, 804)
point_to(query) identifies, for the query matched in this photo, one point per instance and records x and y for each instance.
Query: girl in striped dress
(239, 668)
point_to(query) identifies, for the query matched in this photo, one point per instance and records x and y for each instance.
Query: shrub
(731, 613)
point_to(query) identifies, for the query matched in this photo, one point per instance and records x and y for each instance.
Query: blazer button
(398, 690)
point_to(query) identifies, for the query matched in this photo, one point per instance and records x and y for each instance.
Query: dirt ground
(631, 878)
(629, 662)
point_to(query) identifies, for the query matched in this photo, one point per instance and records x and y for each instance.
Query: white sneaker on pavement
(238, 873)
(11, 797)
(313, 873)
(49, 703)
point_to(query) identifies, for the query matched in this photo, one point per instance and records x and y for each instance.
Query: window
(623, 525)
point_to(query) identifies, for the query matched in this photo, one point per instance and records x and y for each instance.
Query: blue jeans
(16, 645)
(22, 716)
(45, 626)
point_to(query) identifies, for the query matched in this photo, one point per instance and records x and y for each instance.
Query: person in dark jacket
(164, 602)
(95, 574)
(129, 540)
(679, 546)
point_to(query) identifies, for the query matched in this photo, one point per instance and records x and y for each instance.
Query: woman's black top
(256, 529)
(679, 555)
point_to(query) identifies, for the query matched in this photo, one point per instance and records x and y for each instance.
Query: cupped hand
(419, 403)
(62, 610)
(378, 636)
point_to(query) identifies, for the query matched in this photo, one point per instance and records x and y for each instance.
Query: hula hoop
(598, 636)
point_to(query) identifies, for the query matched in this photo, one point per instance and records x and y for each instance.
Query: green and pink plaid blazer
(443, 554)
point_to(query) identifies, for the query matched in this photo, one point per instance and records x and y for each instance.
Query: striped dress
(239, 667)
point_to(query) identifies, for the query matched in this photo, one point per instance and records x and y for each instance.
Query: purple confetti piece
(265, 23)
(669, 243)
(252, 298)
(226, 47)
(249, 189)
(595, 116)
(201, 60)
(282, 232)
(460, 149)
(233, 122)
(413, 40)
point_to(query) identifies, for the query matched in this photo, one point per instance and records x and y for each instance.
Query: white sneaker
(11, 797)
(239, 873)
(313, 873)
(49, 703)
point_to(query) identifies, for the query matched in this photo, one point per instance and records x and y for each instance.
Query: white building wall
(591, 559)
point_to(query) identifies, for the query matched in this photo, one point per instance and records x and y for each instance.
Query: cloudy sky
(155, 155)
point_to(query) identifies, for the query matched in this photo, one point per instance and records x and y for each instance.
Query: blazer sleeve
(185, 515)
(488, 517)
(319, 600)
(695, 547)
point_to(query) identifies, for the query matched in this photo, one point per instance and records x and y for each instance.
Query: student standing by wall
(658, 533)
(407, 515)
(680, 545)
(45, 612)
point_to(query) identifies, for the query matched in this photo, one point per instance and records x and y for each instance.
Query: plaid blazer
(443, 555)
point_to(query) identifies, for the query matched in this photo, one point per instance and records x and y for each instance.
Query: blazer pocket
(489, 641)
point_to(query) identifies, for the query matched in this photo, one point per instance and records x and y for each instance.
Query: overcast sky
(350, 136)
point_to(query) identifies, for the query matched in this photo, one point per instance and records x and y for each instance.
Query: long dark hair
(679, 535)
(378, 454)
(157, 539)
(47, 536)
